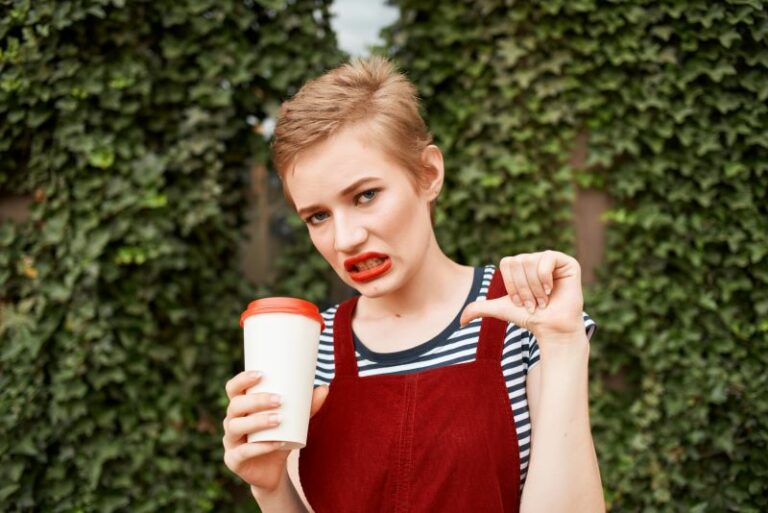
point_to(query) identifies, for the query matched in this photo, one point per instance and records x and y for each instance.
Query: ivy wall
(673, 100)
(131, 125)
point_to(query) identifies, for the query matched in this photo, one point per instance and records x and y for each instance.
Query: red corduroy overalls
(441, 440)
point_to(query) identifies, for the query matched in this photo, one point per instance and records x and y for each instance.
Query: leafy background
(672, 99)
(133, 125)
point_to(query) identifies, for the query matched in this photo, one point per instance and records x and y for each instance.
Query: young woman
(452, 388)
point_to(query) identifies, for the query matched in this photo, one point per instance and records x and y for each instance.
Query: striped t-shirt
(453, 345)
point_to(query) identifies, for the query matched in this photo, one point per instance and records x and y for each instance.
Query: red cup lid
(283, 305)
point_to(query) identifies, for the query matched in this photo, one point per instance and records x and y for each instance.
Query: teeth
(369, 264)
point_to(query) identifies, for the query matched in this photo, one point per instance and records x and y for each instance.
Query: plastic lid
(283, 305)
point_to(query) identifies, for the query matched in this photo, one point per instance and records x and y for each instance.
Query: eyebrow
(344, 192)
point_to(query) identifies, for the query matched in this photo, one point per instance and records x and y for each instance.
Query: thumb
(318, 398)
(499, 308)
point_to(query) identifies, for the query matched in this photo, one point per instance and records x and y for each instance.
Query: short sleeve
(325, 368)
(533, 345)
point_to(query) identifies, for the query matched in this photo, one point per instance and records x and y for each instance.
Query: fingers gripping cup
(281, 337)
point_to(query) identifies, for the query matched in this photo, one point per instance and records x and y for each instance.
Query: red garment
(440, 440)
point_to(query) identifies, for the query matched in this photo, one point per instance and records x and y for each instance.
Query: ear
(432, 158)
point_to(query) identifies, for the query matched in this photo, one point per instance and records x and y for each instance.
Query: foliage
(673, 98)
(131, 124)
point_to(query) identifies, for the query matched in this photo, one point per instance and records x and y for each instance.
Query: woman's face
(359, 204)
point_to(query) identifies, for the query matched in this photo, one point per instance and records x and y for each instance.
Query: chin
(372, 292)
(371, 289)
(374, 288)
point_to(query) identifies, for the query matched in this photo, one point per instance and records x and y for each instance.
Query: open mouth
(369, 269)
(371, 263)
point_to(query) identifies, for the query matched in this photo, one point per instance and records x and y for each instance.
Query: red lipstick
(367, 274)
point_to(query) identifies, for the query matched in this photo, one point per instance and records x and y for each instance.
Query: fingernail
(547, 290)
(275, 399)
(275, 418)
(529, 306)
(255, 374)
(516, 300)
(542, 302)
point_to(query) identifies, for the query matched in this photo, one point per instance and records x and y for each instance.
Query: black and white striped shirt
(453, 345)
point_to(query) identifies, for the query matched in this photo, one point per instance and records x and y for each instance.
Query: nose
(348, 235)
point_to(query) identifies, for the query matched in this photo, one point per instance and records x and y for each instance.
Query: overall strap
(345, 361)
(492, 330)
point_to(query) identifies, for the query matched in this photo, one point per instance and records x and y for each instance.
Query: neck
(431, 285)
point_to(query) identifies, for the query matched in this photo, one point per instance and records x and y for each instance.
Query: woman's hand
(260, 464)
(543, 295)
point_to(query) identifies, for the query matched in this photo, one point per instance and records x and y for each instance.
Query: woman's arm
(544, 296)
(563, 474)
(283, 499)
(293, 473)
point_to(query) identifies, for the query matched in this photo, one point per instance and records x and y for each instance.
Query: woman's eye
(319, 217)
(314, 218)
(369, 194)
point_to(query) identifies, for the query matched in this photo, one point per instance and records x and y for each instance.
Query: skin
(389, 215)
(563, 472)
(416, 299)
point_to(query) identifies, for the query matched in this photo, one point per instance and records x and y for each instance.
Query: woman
(452, 388)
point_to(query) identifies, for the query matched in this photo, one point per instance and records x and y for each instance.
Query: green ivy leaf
(102, 158)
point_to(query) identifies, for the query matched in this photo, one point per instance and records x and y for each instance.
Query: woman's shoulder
(328, 315)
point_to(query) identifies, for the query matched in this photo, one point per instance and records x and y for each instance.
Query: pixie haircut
(369, 92)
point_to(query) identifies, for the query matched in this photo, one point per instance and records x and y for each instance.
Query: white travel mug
(281, 337)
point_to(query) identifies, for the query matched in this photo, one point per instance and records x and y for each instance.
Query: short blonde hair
(365, 90)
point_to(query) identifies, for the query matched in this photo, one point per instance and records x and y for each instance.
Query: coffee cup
(281, 336)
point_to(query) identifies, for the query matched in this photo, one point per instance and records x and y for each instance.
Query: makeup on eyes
(376, 190)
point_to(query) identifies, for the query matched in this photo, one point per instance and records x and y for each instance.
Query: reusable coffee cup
(281, 337)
